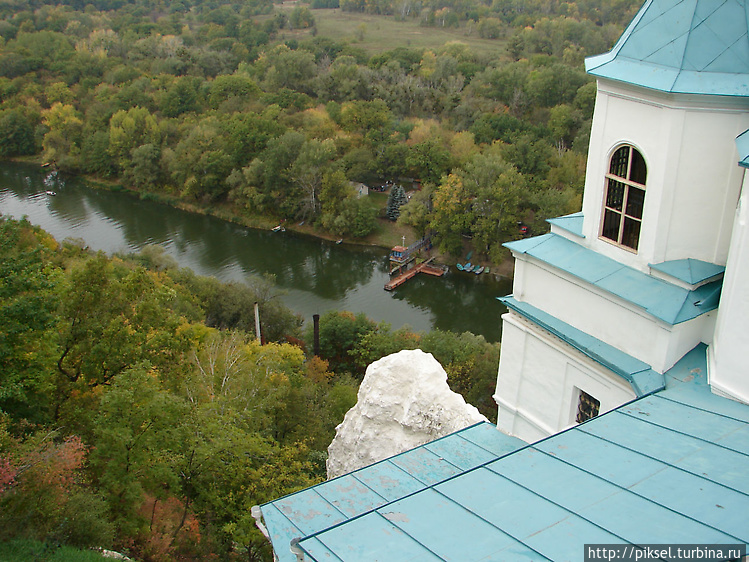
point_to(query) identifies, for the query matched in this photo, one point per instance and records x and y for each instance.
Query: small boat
(339, 241)
(468, 267)
(459, 266)
(50, 193)
(486, 270)
(468, 257)
(279, 228)
(479, 269)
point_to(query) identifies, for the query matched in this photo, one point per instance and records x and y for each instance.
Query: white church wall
(706, 175)
(686, 148)
(607, 317)
(540, 379)
(728, 368)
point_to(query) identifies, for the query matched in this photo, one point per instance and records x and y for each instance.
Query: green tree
(314, 159)
(16, 134)
(62, 142)
(137, 433)
(396, 199)
(130, 129)
(28, 300)
(200, 163)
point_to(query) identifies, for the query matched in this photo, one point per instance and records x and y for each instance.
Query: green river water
(313, 275)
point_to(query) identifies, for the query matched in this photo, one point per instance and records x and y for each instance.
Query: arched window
(625, 195)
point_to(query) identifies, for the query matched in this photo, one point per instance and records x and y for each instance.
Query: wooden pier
(421, 268)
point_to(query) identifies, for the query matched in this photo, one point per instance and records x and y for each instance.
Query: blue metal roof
(689, 270)
(667, 468)
(742, 145)
(640, 375)
(682, 46)
(663, 300)
(571, 223)
(338, 500)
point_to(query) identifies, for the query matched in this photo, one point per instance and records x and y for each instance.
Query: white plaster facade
(536, 405)
(693, 181)
(693, 187)
(606, 316)
(728, 365)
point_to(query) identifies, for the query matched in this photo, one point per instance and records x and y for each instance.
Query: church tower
(615, 295)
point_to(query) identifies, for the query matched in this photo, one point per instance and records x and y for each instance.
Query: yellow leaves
(424, 130)
(462, 146)
(318, 124)
(428, 64)
(61, 116)
(317, 370)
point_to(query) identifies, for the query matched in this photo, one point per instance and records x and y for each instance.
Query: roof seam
(404, 471)
(403, 453)
(513, 537)
(477, 445)
(542, 452)
(716, 57)
(713, 412)
(700, 476)
(426, 448)
(383, 498)
(645, 498)
(294, 525)
(701, 439)
(328, 548)
(329, 503)
(430, 486)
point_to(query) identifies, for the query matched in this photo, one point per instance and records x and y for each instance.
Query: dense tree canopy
(205, 102)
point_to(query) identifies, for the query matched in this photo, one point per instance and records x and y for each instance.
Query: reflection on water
(314, 275)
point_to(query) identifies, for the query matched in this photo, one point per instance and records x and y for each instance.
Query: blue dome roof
(682, 46)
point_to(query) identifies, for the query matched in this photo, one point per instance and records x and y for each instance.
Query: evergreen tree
(396, 199)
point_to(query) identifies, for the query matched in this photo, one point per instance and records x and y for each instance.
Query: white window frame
(623, 215)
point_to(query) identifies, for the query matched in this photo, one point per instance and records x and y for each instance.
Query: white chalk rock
(403, 402)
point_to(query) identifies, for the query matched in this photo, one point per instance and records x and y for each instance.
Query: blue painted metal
(342, 499)
(571, 223)
(663, 300)
(689, 270)
(689, 46)
(667, 468)
(643, 379)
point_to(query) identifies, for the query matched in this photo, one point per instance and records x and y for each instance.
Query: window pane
(635, 199)
(615, 195)
(619, 160)
(631, 234)
(587, 407)
(611, 221)
(638, 172)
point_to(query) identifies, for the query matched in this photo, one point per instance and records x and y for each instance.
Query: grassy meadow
(376, 34)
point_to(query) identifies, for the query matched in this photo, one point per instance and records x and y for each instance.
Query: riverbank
(386, 235)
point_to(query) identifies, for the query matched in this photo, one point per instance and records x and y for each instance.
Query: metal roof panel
(687, 46)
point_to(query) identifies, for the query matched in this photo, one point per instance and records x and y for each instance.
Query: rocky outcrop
(403, 402)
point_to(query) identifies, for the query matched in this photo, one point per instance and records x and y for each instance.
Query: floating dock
(421, 268)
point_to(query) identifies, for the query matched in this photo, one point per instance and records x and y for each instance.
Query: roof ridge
(686, 43)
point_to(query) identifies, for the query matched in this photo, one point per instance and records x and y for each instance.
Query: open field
(383, 33)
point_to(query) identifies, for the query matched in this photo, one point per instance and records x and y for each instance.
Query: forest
(138, 411)
(245, 107)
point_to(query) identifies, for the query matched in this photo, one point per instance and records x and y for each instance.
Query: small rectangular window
(587, 407)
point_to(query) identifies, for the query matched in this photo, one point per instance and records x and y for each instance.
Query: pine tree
(396, 198)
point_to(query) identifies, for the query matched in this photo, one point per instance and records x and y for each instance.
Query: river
(313, 275)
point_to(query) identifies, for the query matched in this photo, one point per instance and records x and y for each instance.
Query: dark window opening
(587, 407)
(625, 198)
